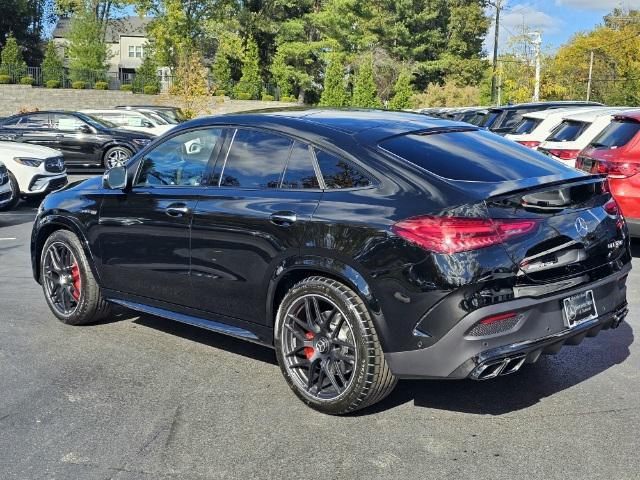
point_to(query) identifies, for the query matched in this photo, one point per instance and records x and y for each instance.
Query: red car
(616, 152)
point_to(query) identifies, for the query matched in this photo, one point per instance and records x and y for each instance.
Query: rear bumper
(633, 224)
(540, 329)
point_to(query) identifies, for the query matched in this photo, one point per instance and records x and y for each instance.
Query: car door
(78, 141)
(144, 231)
(250, 220)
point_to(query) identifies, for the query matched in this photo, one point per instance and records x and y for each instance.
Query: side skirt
(243, 330)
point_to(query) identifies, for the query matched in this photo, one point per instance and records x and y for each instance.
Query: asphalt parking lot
(145, 398)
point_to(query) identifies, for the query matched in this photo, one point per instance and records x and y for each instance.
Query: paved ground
(145, 398)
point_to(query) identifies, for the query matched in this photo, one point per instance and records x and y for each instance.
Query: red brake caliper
(75, 275)
(309, 351)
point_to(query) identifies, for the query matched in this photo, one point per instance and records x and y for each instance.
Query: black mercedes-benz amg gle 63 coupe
(364, 246)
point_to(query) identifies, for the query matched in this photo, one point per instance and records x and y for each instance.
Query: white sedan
(131, 120)
(32, 171)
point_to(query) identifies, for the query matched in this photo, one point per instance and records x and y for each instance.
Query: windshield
(472, 155)
(98, 122)
(526, 125)
(617, 134)
(489, 118)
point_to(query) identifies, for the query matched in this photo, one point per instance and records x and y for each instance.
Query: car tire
(116, 156)
(74, 275)
(15, 194)
(348, 370)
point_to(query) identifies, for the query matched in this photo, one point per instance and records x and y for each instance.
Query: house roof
(116, 27)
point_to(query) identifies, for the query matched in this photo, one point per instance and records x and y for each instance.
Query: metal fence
(114, 80)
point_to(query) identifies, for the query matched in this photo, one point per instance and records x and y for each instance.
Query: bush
(150, 90)
(53, 84)
(268, 98)
(288, 99)
(4, 79)
(219, 93)
(126, 88)
(101, 86)
(79, 85)
(27, 81)
(243, 96)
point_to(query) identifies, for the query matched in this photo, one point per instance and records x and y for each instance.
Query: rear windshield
(567, 131)
(526, 125)
(474, 155)
(489, 118)
(617, 134)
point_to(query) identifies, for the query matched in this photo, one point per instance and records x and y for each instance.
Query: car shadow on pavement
(207, 337)
(503, 395)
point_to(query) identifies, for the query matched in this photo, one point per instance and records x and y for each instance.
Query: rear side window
(255, 160)
(476, 155)
(299, 172)
(489, 118)
(568, 131)
(338, 173)
(526, 125)
(617, 134)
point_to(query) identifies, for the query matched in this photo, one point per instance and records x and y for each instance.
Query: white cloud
(534, 19)
(604, 5)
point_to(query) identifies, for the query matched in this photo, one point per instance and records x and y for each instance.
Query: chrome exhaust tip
(492, 369)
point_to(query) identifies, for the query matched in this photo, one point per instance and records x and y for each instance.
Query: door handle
(59, 135)
(283, 219)
(177, 210)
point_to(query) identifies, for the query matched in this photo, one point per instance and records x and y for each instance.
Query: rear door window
(339, 173)
(617, 134)
(475, 155)
(568, 131)
(299, 172)
(255, 159)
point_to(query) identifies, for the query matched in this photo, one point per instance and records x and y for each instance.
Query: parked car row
(36, 148)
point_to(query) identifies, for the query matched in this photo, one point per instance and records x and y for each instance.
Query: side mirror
(115, 178)
(147, 123)
(85, 129)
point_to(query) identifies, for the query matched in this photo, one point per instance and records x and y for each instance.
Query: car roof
(543, 105)
(560, 112)
(591, 115)
(630, 114)
(104, 110)
(376, 123)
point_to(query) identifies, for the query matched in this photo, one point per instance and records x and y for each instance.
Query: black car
(502, 120)
(84, 141)
(364, 246)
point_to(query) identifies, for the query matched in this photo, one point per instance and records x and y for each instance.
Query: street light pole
(496, 34)
(537, 42)
(590, 75)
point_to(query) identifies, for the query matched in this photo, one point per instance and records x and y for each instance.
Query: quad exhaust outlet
(494, 368)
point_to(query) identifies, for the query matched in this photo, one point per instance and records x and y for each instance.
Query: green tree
(11, 61)
(190, 84)
(365, 94)
(251, 82)
(221, 70)
(87, 51)
(334, 93)
(25, 20)
(52, 65)
(402, 91)
(147, 72)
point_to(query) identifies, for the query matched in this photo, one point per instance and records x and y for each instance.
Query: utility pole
(537, 42)
(590, 76)
(497, 4)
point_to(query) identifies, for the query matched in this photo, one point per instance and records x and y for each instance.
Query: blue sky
(557, 19)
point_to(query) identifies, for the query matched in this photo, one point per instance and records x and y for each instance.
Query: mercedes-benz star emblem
(581, 227)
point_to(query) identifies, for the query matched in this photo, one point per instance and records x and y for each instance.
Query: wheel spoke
(339, 372)
(56, 261)
(298, 348)
(312, 373)
(331, 377)
(296, 334)
(316, 311)
(299, 365)
(307, 312)
(342, 343)
(300, 323)
(336, 330)
(345, 358)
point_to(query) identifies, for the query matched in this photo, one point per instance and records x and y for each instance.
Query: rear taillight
(528, 143)
(457, 234)
(616, 169)
(613, 209)
(564, 154)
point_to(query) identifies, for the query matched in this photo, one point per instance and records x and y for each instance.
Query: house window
(136, 51)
